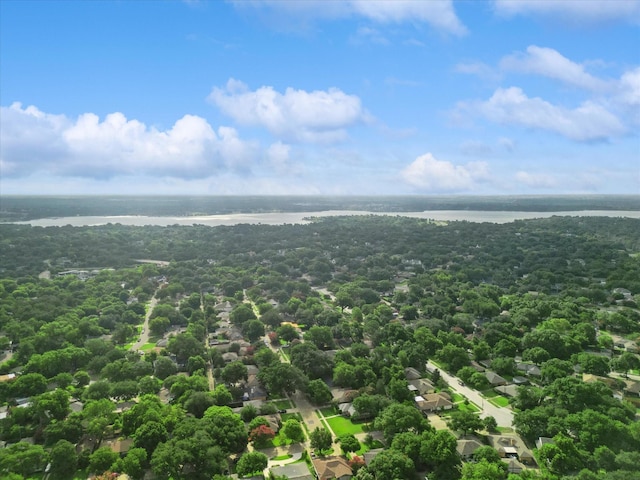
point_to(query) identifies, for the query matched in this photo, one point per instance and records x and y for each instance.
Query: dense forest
(197, 352)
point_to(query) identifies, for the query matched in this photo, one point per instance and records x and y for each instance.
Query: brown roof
(331, 467)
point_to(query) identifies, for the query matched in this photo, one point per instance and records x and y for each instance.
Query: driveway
(503, 416)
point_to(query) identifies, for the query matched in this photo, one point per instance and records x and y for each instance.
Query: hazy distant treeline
(20, 208)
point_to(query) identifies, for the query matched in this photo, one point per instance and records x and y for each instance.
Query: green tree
(22, 459)
(293, 430)
(318, 392)
(64, 460)
(391, 464)
(164, 367)
(397, 418)
(102, 459)
(221, 395)
(484, 470)
(134, 463)
(234, 372)
(251, 463)
(348, 443)
(465, 422)
(320, 440)
(281, 378)
(242, 313)
(321, 337)
(149, 435)
(253, 330)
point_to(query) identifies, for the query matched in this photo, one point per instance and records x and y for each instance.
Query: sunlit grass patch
(342, 426)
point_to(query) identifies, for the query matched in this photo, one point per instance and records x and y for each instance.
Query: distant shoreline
(283, 218)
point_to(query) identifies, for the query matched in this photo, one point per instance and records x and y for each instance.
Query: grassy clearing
(342, 426)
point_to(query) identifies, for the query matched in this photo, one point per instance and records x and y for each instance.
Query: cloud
(550, 63)
(440, 14)
(427, 173)
(33, 140)
(510, 106)
(592, 11)
(536, 180)
(368, 35)
(279, 158)
(476, 148)
(479, 69)
(629, 88)
(295, 115)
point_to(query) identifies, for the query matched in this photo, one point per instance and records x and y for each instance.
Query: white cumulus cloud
(320, 116)
(440, 14)
(591, 11)
(32, 141)
(550, 63)
(511, 106)
(629, 88)
(427, 173)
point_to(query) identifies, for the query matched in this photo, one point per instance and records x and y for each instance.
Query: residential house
(275, 421)
(527, 458)
(633, 388)
(411, 373)
(121, 446)
(466, 448)
(422, 386)
(347, 409)
(507, 390)
(229, 357)
(543, 441)
(494, 379)
(477, 367)
(518, 380)
(529, 369)
(513, 465)
(433, 402)
(371, 454)
(330, 468)
(293, 471)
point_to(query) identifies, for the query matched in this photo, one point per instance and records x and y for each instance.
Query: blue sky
(320, 97)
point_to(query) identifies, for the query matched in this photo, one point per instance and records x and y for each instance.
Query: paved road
(144, 336)
(503, 416)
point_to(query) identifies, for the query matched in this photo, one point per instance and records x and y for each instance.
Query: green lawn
(499, 401)
(364, 448)
(342, 426)
(148, 346)
(287, 416)
(282, 457)
(456, 397)
(283, 404)
(328, 411)
(467, 407)
(280, 440)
